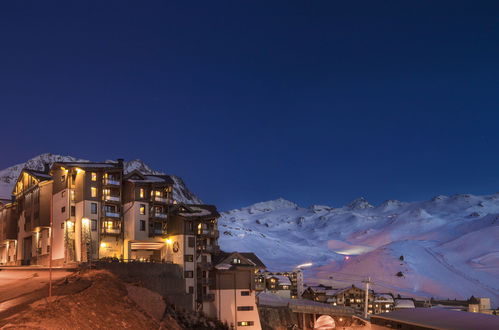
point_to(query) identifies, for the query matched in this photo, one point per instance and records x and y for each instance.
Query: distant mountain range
(9, 175)
(447, 247)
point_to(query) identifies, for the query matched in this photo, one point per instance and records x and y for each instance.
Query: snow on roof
(404, 303)
(198, 212)
(283, 280)
(383, 298)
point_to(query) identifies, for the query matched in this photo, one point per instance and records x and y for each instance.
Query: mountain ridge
(446, 237)
(9, 175)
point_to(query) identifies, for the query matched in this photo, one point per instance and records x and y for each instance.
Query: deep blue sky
(318, 102)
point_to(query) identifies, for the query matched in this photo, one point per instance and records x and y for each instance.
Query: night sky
(318, 102)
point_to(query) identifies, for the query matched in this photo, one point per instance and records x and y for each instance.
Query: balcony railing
(159, 215)
(111, 182)
(111, 231)
(161, 199)
(111, 214)
(156, 232)
(207, 248)
(110, 198)
(209, 232)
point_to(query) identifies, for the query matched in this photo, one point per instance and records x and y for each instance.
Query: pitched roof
(223, 258)
(195, 210)
(42, 176)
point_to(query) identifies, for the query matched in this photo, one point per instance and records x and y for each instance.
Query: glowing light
(85, 221)
(347, 257)
(103, 245)
(64, 169)
(308, 264)
(168, 241)
(70, 224)
(79, 170)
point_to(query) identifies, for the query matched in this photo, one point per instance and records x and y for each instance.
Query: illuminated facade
(94, 211)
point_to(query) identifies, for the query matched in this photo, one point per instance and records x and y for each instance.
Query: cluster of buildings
(354, 297)
(75, 212)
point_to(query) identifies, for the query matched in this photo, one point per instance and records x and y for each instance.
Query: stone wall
(165, 279)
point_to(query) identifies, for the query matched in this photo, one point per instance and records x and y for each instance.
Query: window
(93, 192)
(142, 193)
(236, 261)
(72, 194)
(142, 209)
(73, 211)
(245, 293)
(245, 323)
(94, 225)
(244, 308)
(62, 225)
(158, 193)
(142, 225)
(94, 176)
(191, 242)
(63, 178)
(189, 258)
(188, 274)
(63, 209)
(93, 208)
(191, 289)
(48, 248)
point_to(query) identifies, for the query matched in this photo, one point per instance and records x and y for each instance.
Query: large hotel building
(95, 211)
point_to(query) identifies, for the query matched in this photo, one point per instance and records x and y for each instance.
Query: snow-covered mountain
(447, 247)
(9, 175)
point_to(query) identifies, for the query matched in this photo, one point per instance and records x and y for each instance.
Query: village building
(383, 303)
(285, 284)
(232, 285)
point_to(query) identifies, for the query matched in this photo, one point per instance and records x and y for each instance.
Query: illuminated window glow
(93, 191)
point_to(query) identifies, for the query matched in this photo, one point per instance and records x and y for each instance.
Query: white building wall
(225, 306)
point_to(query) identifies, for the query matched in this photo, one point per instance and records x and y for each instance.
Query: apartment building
(232, 285)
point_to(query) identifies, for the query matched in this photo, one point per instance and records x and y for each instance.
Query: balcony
(156, 232)
(207, 248)
(111, 231)
(111, 182)
(159, 215)
(109, 198)
(111, 214)
(161, 199)
(209, 233)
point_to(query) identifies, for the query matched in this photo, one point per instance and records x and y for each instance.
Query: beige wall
(225, 306)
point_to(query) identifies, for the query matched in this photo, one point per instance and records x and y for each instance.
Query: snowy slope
(450, 245)
(9, 175)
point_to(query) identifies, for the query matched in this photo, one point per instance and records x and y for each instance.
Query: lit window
(245, 323)
(106, 192)
(94, 176)
(236, 261)
(93, 192)
(72, 193)
(158, 193)
(141, 192)
(387, 306)
(142, 209)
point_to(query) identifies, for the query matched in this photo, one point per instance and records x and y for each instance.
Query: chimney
(120, 162)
